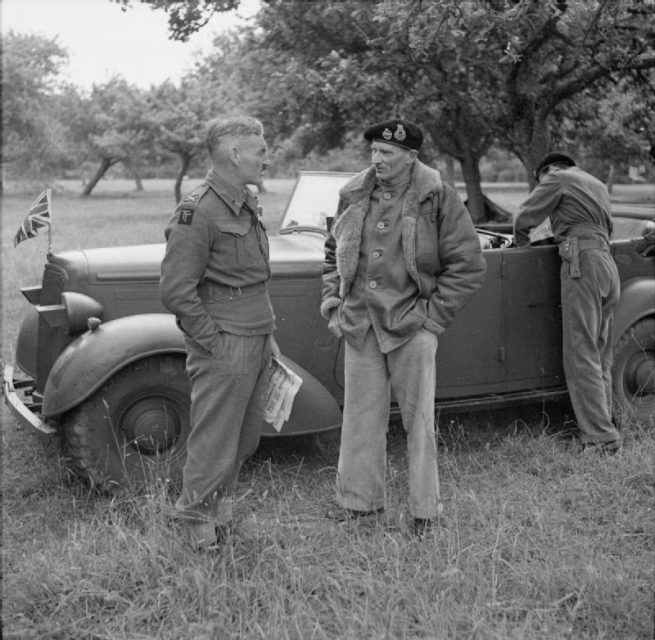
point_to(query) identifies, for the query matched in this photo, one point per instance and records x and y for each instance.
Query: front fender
(314, 407)
(637, 301)
(90, 360)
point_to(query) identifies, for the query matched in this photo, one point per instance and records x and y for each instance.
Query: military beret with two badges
(399, 132)
(553, 158)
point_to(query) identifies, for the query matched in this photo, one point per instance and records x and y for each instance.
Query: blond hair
(222, 130)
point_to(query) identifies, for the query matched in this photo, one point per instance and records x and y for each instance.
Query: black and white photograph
(328, 319)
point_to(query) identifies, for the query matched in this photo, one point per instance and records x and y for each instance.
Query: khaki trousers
(370, 376)
(228, 395)
(588, 305)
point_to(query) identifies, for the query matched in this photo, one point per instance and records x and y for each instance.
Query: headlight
(73, 314)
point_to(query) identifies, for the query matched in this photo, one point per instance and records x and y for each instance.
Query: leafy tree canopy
(472, 72)
(32, 140)
(185, 17)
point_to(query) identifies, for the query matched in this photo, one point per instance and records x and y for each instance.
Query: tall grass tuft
(535, 542)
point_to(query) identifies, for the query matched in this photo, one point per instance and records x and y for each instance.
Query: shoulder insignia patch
(186, 216)
(192, 197)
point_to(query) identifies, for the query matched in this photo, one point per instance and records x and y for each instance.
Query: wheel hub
(640, 375)
(151, 426)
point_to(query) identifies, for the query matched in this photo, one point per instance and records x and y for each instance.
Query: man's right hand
(333, 323)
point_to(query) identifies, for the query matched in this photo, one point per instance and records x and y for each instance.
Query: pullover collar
(423, 181)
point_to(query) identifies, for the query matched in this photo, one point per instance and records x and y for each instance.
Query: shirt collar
(234, 197)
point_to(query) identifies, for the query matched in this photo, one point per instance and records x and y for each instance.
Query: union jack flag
(38, 216)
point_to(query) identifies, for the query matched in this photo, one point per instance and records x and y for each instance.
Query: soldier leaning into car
(580, 212)
(401, 259)
(214, 279)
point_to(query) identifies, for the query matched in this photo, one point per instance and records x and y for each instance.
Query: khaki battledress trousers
(228, 396)
(588, 304)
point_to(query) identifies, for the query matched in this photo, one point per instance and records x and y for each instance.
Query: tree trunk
(450, 169)
(184, 167)
(138, 180)
(538, 145)
(532, 143)
(475, 197)
(611, 174)
(105, 163)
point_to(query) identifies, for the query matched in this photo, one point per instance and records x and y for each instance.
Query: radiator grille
(51, 341)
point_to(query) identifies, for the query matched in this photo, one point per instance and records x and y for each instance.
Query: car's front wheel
(633, 375)
(134, 429)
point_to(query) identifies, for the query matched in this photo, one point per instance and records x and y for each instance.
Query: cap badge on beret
(396, 131)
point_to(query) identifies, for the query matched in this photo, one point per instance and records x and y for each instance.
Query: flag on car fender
(38, 216)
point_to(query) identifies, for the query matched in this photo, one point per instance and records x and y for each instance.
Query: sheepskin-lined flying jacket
(441, 250)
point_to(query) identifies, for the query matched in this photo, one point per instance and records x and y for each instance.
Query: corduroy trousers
(370, 375)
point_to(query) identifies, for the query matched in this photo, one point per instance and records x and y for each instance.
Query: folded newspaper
(282, 390)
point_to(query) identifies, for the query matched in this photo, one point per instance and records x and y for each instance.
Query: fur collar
(348, 227)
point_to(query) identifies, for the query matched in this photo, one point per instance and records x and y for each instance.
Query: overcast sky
(102, 40)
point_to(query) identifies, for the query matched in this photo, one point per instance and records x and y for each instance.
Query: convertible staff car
(99, 360)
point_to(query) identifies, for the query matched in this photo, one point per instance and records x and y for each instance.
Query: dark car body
(99, 359)
(632, 220)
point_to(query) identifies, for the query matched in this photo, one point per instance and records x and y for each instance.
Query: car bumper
(17, 405)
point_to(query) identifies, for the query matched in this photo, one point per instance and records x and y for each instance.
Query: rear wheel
(633, 375)
(134, 429)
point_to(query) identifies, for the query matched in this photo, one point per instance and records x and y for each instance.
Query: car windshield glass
(314, 198)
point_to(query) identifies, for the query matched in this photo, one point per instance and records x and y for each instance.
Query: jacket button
(381, 225)
(376, 254)
(386, 195)
(373, 284)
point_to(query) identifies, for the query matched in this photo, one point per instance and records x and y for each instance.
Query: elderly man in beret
(401, 260)
(579, 210)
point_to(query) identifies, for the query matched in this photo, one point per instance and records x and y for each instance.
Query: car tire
(633, 376)
(133, 430)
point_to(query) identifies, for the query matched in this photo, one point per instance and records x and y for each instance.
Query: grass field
(536, 542)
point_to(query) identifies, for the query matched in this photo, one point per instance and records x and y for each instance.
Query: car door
(507, 340)
(469, 357)
(532, 318)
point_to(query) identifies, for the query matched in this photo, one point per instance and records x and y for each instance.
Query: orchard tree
(319, 73)
(33, 140)
(115, 122)
(185, 17)
(180, 116)
(557, 50)
(323, 72)
(471, 72)
(255, 77)
(609, 129)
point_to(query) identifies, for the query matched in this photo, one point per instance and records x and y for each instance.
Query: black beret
(398, 132)
(553, 158)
